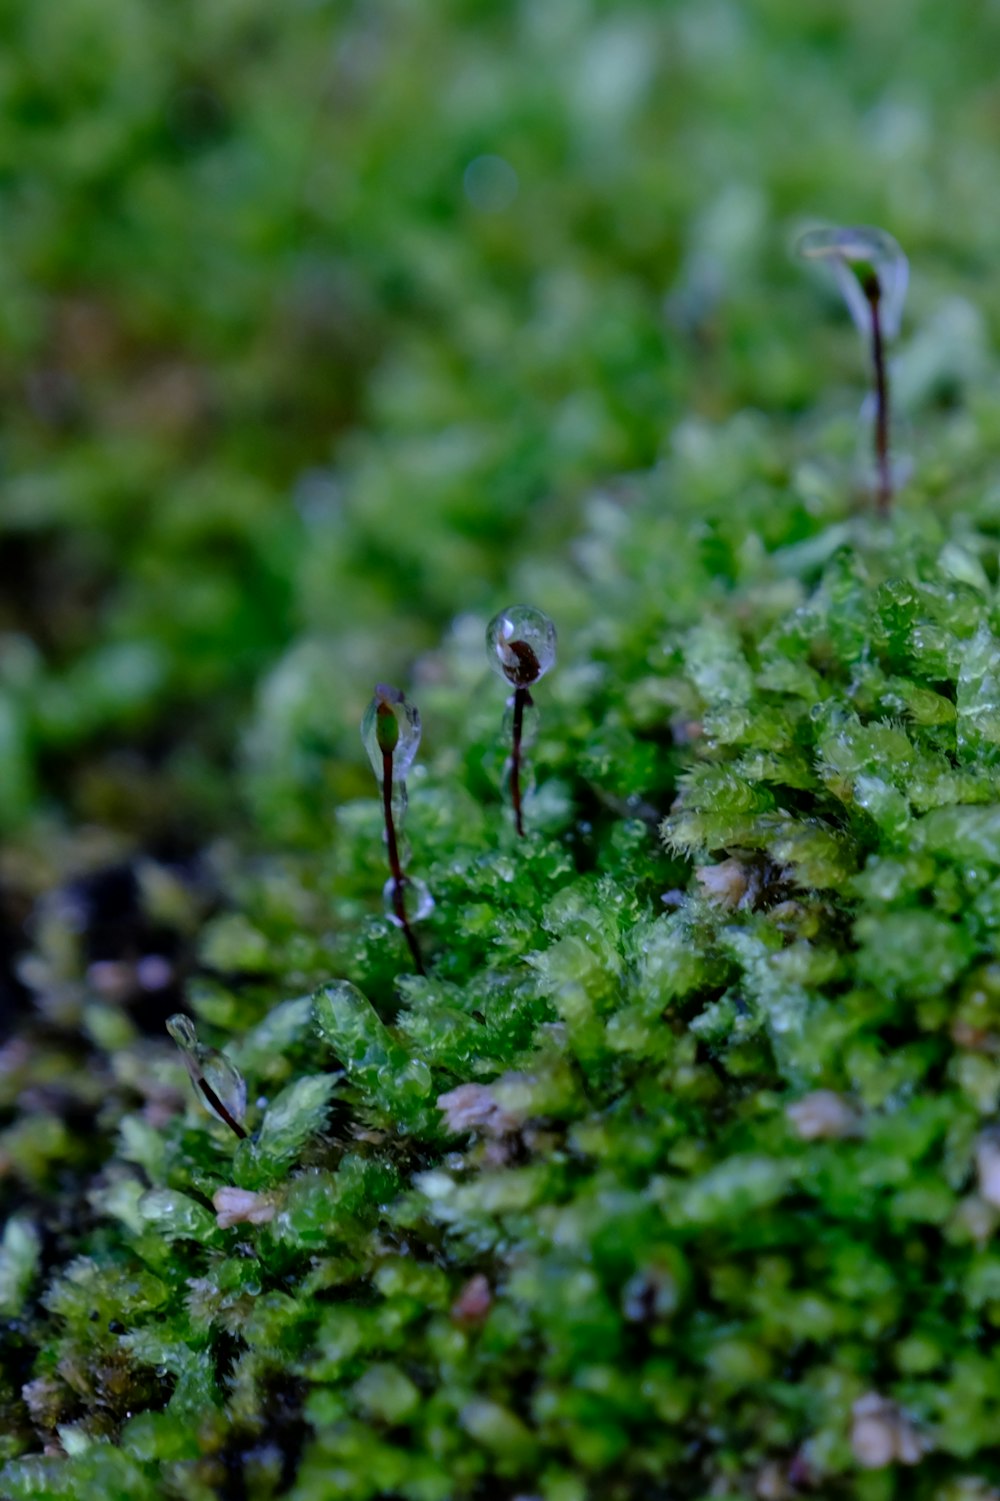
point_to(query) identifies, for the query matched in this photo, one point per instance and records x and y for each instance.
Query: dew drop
(853, 252)
(490, 183)
(529, 723)
(400, 803)
(521, 642)
(416, 897)
(181, 1029)
(207, 1066)
(390, 724)
(901, 458)
(413, 1081)
(226, 1081)
(527, 779)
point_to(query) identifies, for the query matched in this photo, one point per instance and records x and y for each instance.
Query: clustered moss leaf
(796, 890)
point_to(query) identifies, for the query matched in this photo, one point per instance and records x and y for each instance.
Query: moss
(675, 1174)
(664, 1254)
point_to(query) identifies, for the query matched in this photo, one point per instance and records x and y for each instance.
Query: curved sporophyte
(218, 1083)
(390, 732)
(521, 645)
(872, 273)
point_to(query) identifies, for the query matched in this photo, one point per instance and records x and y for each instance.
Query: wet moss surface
(677, 1174)
(670, 1159)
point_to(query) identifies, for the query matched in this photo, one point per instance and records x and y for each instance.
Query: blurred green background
(317, 319)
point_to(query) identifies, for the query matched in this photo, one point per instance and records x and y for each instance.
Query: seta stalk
(390, 732)
(226, 1097)
(872, 273)
(522, 701)
(387, 735)
(883, 471)
(214, 1103)
(521, 643)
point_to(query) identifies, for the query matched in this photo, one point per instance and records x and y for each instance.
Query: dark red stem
(522, 698)
(219, 1108)
(395, 869)
(884, 474)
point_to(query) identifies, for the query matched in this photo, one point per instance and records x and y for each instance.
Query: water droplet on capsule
(209, 1065)
(852, 251)
(521, 642)
(390, 725)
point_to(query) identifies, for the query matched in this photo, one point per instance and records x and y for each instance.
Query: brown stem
(522, 698)
(219, 1108)
(884, 474)
(395, 869)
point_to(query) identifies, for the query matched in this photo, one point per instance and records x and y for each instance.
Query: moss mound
(658, 1175)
